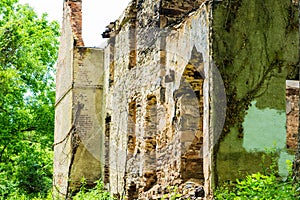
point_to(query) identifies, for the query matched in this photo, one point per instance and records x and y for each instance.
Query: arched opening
(189, 118)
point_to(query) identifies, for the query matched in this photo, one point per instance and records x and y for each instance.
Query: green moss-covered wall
(255, 47)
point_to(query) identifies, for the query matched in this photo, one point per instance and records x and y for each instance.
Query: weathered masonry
(184, 95)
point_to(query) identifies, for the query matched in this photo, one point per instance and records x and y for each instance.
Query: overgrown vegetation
(96, 193)
(28, 51)
(267, 185)
(259, 186)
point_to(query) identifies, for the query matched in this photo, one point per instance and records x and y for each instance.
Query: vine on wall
(255, 46)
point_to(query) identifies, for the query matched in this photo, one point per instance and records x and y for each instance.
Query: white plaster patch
(264, 129)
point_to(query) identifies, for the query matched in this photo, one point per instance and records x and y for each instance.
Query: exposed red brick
(76, 20)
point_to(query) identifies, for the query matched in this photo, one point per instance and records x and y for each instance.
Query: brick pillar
(78, 119)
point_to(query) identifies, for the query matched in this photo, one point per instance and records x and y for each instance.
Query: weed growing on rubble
(260, 186)
(173, 194)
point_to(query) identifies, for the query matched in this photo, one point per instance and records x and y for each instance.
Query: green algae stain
(255, 47)
(234, 162)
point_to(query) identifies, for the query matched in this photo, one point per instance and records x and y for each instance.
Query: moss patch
(255, 47)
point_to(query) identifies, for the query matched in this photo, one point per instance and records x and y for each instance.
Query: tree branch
(2, 151)
(29, 129)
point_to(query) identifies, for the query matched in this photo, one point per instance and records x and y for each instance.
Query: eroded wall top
(74, 9)
(158, 13)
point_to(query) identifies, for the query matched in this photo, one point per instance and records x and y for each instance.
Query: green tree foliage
(28, 51)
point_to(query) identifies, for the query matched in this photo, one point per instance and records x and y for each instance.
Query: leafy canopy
(28, 52)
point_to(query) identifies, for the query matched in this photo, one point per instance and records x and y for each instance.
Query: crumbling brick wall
(153, 102)
(174, 11)
(156, 101)
(292, 111)
(73, 8)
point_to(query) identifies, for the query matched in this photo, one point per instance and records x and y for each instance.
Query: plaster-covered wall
(78, 110)
(79, 123)
(63, 107)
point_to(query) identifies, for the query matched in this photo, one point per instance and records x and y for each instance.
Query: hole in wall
(107, 147)
(189, 118)
(149, 170)
(131, 144)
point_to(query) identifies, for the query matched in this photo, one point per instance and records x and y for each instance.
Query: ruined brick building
(184, 95)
